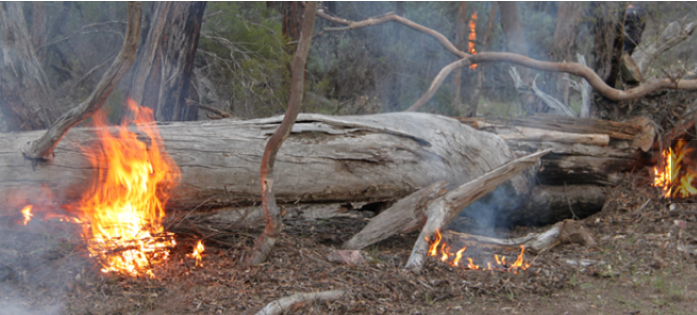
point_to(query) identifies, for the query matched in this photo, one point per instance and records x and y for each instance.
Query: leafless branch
(392, 17)
(42, 148)
(274, 225)
(573, 68)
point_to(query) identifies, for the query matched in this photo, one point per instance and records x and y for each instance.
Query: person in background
(634, 24)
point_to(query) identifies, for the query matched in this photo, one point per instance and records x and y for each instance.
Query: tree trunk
(564, 46)
(165, 63)
(460, 30)
(26, 98)
(515, 42)
(325, 159)
(474, 103)
(607, 51)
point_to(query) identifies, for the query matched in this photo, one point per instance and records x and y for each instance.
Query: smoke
(39, 261)
(489, 213)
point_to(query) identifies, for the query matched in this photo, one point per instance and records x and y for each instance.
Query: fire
(124, 208)
(671, 177)
(440, 249)
(26, 212)
(197, 253)
(473, 37)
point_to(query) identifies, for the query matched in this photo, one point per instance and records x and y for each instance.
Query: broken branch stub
(42, 148)
(442, 210)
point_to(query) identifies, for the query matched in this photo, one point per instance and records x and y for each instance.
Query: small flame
(26, 212)
(198, 249)
(473, 37)
(671, 177)
(441, 249)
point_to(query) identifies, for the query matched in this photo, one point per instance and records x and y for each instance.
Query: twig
(295, 301)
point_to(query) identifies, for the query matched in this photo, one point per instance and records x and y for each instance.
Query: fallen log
(324, 160)
(584, 151)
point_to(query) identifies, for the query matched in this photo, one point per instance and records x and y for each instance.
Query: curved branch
(437, 82)
(274, 225)
(42, 148)
(573, 68)
(396, 18)
(595, 81)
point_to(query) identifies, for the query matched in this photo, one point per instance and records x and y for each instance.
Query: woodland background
(242, 64)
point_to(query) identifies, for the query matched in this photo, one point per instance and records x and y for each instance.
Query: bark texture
(325, 159)
(165, 63)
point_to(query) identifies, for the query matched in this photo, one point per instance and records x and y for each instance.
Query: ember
(672, 174)
(198, 249)
(473, 37)
(442, 250)
(26, 212)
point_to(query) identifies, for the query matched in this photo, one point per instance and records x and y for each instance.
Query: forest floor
(642, 265)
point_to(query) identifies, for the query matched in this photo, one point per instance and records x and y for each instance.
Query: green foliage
(242, 50)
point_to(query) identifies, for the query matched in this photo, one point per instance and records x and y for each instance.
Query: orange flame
(26, 212)
(125, 206)
(441, 249)
(671, 177)
(198, 249)
(473, 37)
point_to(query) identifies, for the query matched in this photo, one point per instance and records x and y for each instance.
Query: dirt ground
(645, 263)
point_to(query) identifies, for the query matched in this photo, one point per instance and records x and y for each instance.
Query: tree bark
(609, 41)
(26, 98)
(325, 159)
(564, 45)
(165, 63)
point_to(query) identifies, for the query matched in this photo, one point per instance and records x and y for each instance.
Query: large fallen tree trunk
(325, 159)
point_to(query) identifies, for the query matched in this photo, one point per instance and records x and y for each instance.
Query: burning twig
(442, 210)
(295, 301)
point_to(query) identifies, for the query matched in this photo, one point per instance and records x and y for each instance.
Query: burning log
(324, 160)
(442, 210)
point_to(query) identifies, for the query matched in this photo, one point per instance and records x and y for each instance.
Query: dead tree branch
(392, 17)
(674, 34)
(272, 214)
(42, 148)
(290, 304)
(443, 209)
(573, 68)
